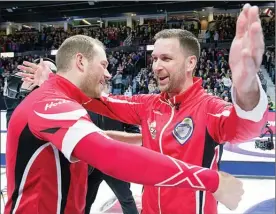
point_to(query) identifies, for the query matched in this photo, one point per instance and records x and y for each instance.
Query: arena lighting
(86, 22)
(26, 26)
(54, 52)
(7, 54)
(150, 47)
(91, 3)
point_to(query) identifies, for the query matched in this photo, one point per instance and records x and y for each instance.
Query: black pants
(120, 188)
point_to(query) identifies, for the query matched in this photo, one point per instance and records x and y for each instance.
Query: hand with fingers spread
(245, 57)
(34, 73)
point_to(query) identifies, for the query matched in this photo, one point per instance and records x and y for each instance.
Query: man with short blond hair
(73, 45)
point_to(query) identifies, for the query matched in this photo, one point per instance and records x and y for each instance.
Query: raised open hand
(245, 59)
(34, 73)
(247, 49)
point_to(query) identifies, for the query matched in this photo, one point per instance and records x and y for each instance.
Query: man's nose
(157, 66)
(107, 75)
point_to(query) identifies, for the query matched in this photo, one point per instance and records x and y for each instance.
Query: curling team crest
(183, 130)
(152, 129)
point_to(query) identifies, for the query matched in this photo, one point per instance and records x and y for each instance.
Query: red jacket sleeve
(126, 109)
(229, 123)
(67, 126)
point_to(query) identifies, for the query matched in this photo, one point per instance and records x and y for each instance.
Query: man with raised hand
(186, 123)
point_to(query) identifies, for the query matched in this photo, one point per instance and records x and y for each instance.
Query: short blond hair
(72, 46)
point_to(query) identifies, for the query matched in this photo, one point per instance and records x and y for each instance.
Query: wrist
(251, 87)
(248, 98)
(43, 79)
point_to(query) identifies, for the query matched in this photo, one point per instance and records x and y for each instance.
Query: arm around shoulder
(126, 109)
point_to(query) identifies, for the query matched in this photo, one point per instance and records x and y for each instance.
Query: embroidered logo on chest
(183, 130)
(152, 129)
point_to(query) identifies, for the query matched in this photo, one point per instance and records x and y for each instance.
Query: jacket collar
(69, 88)
(189, 94)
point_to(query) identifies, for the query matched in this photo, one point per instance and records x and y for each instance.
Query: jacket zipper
(161, 151)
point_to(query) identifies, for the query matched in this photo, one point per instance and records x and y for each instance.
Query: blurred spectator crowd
(269, 62)
(221, 29)
(224, 29)
(51, 38)
(131, 71)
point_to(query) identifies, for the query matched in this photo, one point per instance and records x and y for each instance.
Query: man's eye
(166, 59)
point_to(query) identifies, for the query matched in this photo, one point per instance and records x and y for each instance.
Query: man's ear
(190, 63)
(80, 61)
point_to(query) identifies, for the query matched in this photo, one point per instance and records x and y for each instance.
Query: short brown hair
(187, 40)
(73, 45)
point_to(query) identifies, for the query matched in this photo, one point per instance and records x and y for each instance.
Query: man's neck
(187, 84)
(67, 75)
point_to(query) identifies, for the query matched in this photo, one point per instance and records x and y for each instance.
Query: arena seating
(131, 71)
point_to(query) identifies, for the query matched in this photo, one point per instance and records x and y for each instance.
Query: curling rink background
(255, 167)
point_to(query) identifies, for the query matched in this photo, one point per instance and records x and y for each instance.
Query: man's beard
(165, 88)
(173, 85)
(88, 86)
